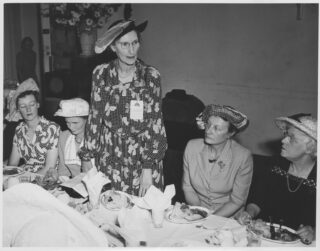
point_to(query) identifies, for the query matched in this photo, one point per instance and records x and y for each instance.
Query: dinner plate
(125, 200)
(169, 217)
(12, 171)
(277, 226)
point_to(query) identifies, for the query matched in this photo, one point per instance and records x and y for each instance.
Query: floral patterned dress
(121, 146)
(34, 151)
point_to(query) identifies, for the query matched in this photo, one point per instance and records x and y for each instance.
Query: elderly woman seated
(75, 111)
(288, 193)
(35, 139)
(218, 170)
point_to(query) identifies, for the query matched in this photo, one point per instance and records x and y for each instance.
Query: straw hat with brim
(117, 30)
(304, 123)
(76, 107)
(238, 119)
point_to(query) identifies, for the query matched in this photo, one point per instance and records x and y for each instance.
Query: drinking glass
(157, 217)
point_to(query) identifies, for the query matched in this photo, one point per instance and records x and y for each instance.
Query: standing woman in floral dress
(125, 133)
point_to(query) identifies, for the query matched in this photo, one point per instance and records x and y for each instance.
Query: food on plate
(285, 235)
(280, 234)
(183, 211)
(115, 200)
(261, 227)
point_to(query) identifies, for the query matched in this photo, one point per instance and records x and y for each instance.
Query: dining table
(182, 235)
(170, 234)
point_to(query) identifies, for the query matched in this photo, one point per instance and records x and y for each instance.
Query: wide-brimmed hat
(302, 121)
(236, 118)
(76, 107)
(27, 85)
(115, 31)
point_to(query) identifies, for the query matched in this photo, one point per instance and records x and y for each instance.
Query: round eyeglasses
(126, 45)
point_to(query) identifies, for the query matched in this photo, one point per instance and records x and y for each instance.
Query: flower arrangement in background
(84, 16)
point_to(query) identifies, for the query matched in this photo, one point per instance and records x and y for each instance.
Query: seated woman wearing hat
(76, 113)
(36, 138)
(288, 193)
(218, 170)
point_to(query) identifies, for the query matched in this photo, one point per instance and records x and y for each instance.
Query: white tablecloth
(172, 234)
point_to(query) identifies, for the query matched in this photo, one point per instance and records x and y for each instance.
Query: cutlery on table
(272, 229)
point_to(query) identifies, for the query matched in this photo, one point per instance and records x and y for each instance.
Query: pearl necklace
(302, 177)
(297, 187)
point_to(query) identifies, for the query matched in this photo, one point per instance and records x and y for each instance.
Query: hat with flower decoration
(115, 31)
(302, 121)
(27, 85)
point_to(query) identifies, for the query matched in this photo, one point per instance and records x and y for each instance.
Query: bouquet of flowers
(83, 16)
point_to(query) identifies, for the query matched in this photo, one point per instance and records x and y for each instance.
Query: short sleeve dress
(286, 197)
(34, 151)
(122, 146)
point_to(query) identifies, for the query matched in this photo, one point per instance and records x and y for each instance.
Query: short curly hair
(26, 93)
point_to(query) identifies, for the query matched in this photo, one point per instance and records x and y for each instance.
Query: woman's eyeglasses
(126, 45)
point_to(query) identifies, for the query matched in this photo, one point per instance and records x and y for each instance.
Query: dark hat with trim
(117, 30)
(238, 119)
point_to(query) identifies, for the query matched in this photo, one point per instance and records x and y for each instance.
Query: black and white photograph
(159, 124)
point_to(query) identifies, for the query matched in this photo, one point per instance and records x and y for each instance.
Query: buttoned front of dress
(214, 183)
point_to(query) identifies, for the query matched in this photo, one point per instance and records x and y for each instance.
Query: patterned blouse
(34, 151)
(122, 146)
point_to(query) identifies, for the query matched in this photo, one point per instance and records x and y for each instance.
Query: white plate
(9, 168)
(276, 226)
(112, 206)
(185, 221)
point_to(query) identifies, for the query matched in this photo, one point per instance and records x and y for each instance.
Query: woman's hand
(244, 218)
(51, 175)
(306, 233)
(145, 181)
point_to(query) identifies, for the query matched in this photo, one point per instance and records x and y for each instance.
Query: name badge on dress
(136, 109)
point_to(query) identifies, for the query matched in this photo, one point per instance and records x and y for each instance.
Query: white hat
(75, 107)
(303, 122)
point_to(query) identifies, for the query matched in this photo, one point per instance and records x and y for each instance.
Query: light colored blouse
(66, 169)
(227, 179)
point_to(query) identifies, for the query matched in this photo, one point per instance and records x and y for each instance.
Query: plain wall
(20, 20)
(258, 58)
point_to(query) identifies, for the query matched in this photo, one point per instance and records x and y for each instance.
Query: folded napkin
(155, 199)
(94, 181)
(130, 221)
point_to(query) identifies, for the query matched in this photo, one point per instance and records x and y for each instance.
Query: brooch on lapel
(221, 166)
